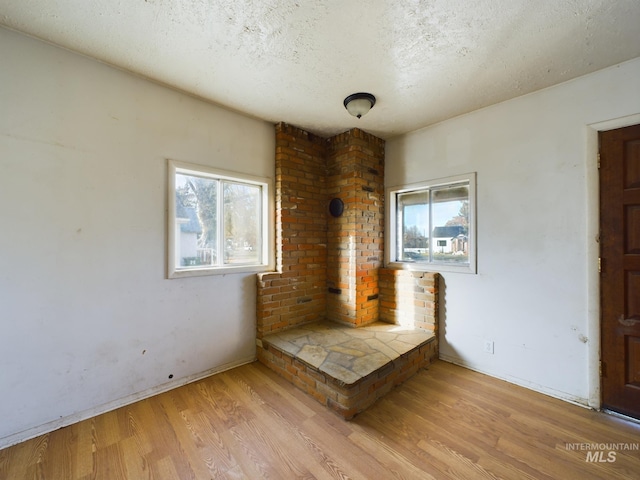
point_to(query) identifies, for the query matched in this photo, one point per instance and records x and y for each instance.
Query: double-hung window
(219, 221)
(431, 225)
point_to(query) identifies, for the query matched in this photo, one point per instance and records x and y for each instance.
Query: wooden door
(620, 269)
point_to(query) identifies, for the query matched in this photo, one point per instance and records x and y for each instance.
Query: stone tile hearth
(345, 368)
(348, 354)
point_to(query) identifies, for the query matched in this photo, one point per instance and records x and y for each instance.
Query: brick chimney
(327, 266)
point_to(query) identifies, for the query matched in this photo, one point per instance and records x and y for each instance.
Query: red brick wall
(409, 298)
(297, 293)
(355, 161)
(327, 267)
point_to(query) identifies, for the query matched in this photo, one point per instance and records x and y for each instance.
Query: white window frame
(391, 225)
(267, 220)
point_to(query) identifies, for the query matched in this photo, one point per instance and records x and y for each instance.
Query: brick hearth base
(348, 369)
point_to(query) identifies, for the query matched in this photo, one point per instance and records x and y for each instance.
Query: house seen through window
(218, 221)
(432, 224)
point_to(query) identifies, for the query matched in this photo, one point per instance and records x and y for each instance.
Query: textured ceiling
(296, 60)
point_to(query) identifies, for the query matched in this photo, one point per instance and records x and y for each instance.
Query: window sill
(203, 272)
(432, 267)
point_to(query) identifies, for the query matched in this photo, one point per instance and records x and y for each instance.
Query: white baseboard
(121, 402)
(581, 402)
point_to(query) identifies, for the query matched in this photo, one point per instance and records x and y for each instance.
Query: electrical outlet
(488, 346)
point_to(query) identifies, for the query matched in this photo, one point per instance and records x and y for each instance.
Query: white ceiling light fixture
(358, 104)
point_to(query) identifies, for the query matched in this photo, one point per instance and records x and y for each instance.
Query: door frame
(593, 250)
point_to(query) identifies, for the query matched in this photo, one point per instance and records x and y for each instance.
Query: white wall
(535, 293)
(88, 320)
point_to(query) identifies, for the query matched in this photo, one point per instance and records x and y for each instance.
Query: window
(219, 222)
(431, 225)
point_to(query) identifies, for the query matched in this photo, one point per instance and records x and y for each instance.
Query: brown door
(620, 269)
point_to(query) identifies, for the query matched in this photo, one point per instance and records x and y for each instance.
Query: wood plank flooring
(446, 422)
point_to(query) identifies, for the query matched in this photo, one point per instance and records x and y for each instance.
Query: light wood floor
(446, 422)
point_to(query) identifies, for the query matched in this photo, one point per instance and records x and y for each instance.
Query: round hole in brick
(336, 207)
